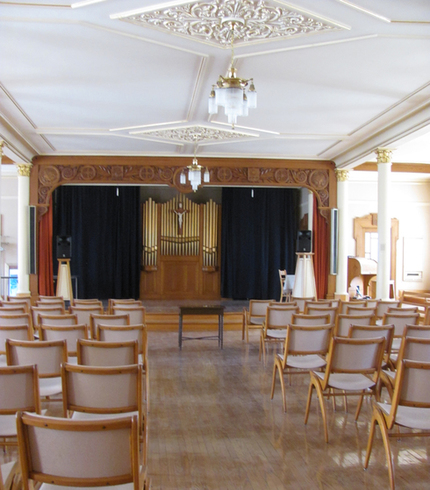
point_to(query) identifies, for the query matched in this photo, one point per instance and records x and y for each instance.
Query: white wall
(410, 204)
(8, 211)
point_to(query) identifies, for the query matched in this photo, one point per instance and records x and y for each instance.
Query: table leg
(180, 331)
(221, 330)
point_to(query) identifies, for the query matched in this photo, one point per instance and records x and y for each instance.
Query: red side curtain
(46, 274)
(321, 251)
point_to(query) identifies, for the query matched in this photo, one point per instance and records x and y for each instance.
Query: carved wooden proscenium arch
(51, 172)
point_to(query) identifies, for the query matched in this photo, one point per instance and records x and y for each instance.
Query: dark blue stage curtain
(258, 238)
(105, 225)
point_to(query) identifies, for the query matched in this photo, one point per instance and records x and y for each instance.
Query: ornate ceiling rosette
(195, 134)
(215, 21)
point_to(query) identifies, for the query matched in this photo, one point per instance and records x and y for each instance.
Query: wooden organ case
(181, 250)
(360, 272)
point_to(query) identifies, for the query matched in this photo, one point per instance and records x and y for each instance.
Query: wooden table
(202, 310)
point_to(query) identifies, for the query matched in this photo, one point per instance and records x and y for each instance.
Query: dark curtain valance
(258, 238)
(104, 223)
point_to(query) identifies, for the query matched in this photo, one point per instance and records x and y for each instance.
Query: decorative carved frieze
(192, 134)
(24, 169)
(212, 21)
(342, 175)
(383, 155)
(51, 176)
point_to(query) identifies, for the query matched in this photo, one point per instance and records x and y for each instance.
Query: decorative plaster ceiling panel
(193, 134)
(212, 21)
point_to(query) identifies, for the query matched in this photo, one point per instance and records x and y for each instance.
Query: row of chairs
(360, 365)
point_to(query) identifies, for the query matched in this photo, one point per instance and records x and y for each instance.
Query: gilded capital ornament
(24, 169)
(383, 155)
(342, 175)
(1, 149)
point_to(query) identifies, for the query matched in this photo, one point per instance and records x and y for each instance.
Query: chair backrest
(16, 332)
(47, 355)
(383, 306)
(20, 319)
(258, 307)
(418, 331)
(14, 310)
(310, 320)
(279, 317)
(402, 310)
(70, 333)
(84, 311)
(102, 390)
(96, 353)
(415, 349)
(400, 321)
(19, 388)
(118, 333)
(84, 302)
(369, 332)
(51, 302)
(95, 320)
(343, 322)
(343, 306)
(361, 310)
(372, 303)
(45, 310)
(50, 299)
(307, 340)
(26, 298)
(125, 301)
(135, 311)
(16, 304)
(318, 310)
(66, 319)
(93, 452)
(412, 382)
(355, 356)
(301, 302)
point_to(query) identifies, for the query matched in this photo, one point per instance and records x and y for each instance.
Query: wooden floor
(213, 426)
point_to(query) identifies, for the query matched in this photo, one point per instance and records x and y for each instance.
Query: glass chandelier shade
(194, 172)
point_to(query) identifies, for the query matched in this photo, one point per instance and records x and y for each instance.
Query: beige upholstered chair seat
(98, 416)
(412, 417)
(255, 320)
(8, 425)
(50, 386)
(348, 381)
(3, 361)
(276, 333)
(309, 361)
(49, 486)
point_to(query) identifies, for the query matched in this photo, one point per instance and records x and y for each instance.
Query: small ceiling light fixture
(230, 92)
(194, 172)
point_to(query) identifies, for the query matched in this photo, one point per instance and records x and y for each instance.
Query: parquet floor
(212, 426)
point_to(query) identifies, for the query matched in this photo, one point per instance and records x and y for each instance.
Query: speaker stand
(64, 280)
(304, 284)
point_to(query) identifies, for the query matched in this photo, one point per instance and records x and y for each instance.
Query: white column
(1, 224)
(384, 223)
(342, 205)
(23, 227)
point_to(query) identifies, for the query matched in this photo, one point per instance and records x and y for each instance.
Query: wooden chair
(361, 311)
(94, 453)
(51, 299)
(45, 310)
(117, 302)
(136, 312)
(84, 311)
(16, 304)
(343, 305)
(20, 319)
(19, 388)
(409, 409)
(87, 302)
(70, 333)
(372, 303)
(115, 333)
(95, 320)
(318, 304)
(344, 322)
(283, 283)
(301, 302)
(254, 316)
(92, 392)
(17, 332)
(403, 310)
(353, 368)
(383, 306)
(303, 320)
(57, 320)
(305, 349)
(418, 331)
(15, 310)
(370, 332)
(399, 322)
(96, 353)
(275, 326)
(328, 310)
(48, 356)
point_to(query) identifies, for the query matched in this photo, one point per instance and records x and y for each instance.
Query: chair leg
(273, 381)
(370, 441)
(308, 404)
(360, 403)
(284, 394)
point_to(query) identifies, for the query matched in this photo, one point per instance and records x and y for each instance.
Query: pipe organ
(180, 249)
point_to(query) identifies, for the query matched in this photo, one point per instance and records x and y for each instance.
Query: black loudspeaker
(304, 241)
(64, 247)
(32, 240)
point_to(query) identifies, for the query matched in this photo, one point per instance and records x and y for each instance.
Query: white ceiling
(79, 79)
